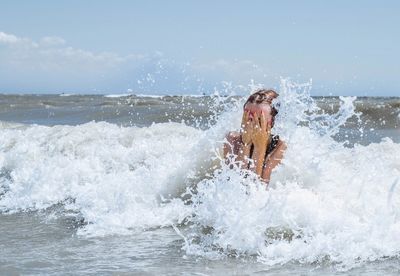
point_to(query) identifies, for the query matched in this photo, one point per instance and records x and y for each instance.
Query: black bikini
(273, 143)
(274, 140)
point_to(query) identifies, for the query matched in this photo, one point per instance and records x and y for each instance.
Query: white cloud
(234, 68)
(50, 64)
(52, 53)
(52, 41)
(8, 38)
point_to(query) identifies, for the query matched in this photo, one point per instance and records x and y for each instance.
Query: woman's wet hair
(263, 96)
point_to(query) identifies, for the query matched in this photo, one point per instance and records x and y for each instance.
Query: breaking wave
(327, 202)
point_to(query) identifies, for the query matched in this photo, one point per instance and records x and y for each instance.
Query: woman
(255, 148)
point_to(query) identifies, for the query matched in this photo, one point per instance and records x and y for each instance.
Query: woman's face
(257, 110)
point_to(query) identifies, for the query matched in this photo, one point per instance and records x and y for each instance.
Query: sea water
(136, 184)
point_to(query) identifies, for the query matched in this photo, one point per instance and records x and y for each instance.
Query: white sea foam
(153, 96)
(150, 96)
(116, 176)
(118, 95)
(326, 202)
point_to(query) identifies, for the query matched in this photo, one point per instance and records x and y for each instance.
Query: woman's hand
(255, 132)
(260, 130)
(260, 137)
(245, 147)
(246, 129)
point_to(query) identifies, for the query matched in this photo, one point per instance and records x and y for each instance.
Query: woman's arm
(261, 139)
(273, 160)
(232, 143)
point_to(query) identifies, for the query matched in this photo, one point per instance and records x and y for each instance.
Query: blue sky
(192, 47)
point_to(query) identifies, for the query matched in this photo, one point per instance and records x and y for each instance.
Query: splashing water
(113, 176)
(325, 203)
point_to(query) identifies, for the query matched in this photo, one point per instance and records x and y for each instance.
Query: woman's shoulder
(233, 137)
(281, 144)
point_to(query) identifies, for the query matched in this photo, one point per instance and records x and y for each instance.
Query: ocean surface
(134, 185)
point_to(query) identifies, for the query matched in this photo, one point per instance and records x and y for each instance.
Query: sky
(195, 47)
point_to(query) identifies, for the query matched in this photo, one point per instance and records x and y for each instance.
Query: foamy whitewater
(332, 203)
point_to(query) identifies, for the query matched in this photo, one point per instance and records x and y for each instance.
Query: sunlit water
(94, 184)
